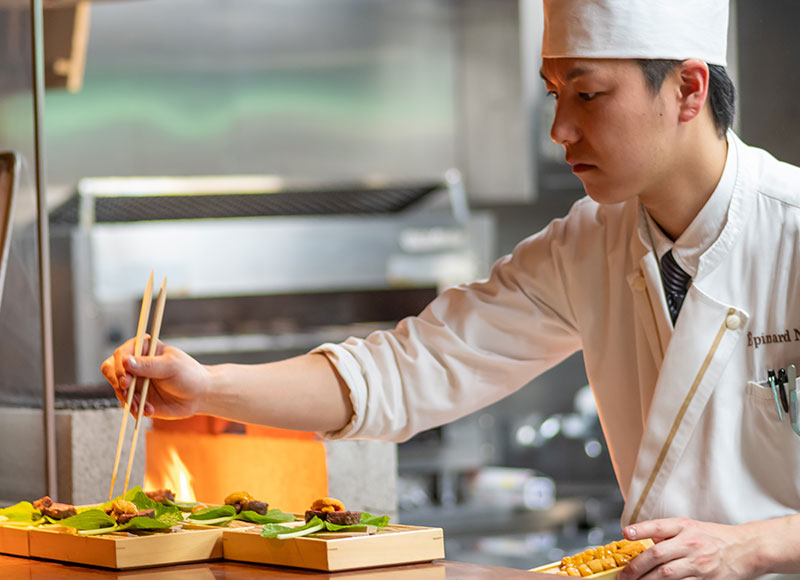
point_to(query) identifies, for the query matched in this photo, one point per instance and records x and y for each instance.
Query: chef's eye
(587, 96)
(552, 94)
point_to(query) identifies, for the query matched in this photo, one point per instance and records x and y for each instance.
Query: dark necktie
(676, 281)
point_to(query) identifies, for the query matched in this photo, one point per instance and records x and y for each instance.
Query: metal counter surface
(13, 568)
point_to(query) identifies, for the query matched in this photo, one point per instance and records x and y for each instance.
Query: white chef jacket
(691, 431)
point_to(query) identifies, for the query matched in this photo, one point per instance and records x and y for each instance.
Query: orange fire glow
(288, 473)
(173, 475)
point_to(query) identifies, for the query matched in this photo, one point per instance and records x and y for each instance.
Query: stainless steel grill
(353, 200)
(282, 267)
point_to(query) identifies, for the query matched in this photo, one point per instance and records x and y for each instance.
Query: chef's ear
(693, 88)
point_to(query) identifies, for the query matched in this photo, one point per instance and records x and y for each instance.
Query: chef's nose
(564, 131)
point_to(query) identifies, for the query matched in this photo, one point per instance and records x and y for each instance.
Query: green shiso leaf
(212, 513)
(184, 506)
(286, 532)
(315, 525)
(142, 502)
(94, 521)
(377, 521)
(22, 512)
(91, 519)
(129, 495)
(366, 520)
(168, 518)
(214, 516)
(271, 517)
(224, 514)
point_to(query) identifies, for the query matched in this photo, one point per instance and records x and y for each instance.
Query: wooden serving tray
(122, 551)
(14, 540)
(394, 544)
(553, 567)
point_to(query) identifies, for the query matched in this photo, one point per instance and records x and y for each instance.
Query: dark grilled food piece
(42, 503)
(332, 510)
(124, 511)
(340, 518)
(125, 518)
(260, 507)
(159, 495)
(344, 518)
(237, 498)
(51, 509)
(318, 513)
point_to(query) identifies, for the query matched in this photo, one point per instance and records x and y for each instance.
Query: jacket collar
(716, 227)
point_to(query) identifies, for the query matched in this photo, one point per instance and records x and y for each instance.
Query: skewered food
(51, 509)
(124, 511)
(243, 501)
(599, 559)
(332, 510)
(160, 495)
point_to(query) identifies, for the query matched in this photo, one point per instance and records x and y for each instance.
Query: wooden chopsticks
(155, 330)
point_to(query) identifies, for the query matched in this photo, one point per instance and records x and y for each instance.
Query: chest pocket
(770, 446)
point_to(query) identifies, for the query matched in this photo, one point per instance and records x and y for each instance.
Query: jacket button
(639, 283)
(733, 322)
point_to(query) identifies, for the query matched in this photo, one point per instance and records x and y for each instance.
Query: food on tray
(124, 511)
(167, 497)
(328, 514)
(330, 509)
(21, 514)
(240, 506)
(243, 501)
(135, 511)
(161, 495)
(53, 510)
(594, 560)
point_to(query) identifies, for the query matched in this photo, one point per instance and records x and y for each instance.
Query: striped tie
(676, 281)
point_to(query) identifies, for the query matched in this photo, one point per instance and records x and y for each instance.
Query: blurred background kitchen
(303, 171)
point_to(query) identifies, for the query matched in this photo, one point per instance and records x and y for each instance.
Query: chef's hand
(690, 549)
(177, 381)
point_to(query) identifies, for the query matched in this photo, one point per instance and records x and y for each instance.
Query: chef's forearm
(776, 546)
(303, 393)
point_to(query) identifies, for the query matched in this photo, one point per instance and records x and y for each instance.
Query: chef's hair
(721, 92)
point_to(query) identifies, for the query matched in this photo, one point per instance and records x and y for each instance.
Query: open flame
(288, 473)
(173, 475)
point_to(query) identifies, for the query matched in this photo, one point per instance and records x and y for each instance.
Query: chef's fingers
(680, 569)
(657, 530)
(123, 379)
(149, 409)
(159, 366)
(107, 368)
(667, 559)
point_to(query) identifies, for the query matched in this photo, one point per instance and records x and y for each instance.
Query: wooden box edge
(326, 554)
(114, 552)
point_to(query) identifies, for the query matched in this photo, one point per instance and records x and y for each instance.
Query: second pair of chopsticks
(138, 344)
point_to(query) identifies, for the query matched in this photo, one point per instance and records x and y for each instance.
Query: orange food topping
(327, 504)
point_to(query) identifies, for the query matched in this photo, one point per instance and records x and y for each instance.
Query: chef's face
(615, 132)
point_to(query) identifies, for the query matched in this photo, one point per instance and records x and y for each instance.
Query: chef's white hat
(663, 29)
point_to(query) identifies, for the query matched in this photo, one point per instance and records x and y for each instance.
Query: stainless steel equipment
(258, 268)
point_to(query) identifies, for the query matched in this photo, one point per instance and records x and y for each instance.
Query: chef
(677, 276)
